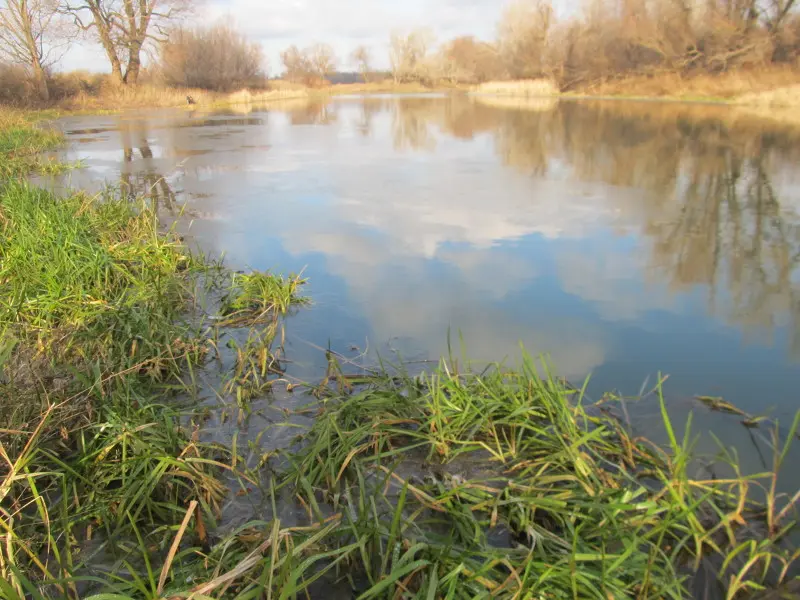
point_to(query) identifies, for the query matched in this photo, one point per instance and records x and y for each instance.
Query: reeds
(521, 88)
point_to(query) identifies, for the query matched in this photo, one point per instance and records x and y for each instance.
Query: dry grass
(783, 97)
(723, 86)
(386, 86)
(524, 103)
(111, 97)
(115, 97)
(522, 88)
(247, 97)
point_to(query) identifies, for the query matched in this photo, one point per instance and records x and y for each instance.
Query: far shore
(773, 94)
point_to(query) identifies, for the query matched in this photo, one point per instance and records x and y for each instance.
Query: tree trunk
(104, 33)
(40, 80)
(134, 63)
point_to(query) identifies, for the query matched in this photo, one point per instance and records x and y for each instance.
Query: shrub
(216, 58)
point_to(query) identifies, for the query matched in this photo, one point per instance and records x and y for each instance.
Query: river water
(622, 239)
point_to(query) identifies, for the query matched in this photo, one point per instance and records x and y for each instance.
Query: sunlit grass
(22, 142)
(522, 88)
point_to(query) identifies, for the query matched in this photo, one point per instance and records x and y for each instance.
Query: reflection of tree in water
(410, 120)
(146, 181)
(369, 108)
(711, 209)
(314, 113)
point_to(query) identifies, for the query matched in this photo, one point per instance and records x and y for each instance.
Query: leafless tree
(523, 37)
(408, 53)
(30, 32)
(362, 58)
(322, 60)
(124, 27)
(472, 61)
(216, 58)
(309, 66)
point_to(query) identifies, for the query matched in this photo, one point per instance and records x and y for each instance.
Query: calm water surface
(623, 239)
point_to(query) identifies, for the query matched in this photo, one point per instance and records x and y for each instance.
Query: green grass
(22, 142)
(255, 297)
(99, 335)
(503, 484)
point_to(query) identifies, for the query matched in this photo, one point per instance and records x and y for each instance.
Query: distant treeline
(608, 39)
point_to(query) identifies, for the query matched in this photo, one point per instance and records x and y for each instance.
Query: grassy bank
(22, 144)
(99, 336)
(748, 86)
(445, 484)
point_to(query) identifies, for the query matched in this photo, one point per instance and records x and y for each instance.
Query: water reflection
(713, 214)
(140, 176)
(622, 238)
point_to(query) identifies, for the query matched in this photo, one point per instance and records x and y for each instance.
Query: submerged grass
(529, 493)
(503, 484)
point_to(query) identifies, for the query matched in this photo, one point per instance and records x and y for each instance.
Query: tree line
(609, 38)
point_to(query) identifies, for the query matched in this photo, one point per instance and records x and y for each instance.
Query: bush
(15, 87)
(216, 58)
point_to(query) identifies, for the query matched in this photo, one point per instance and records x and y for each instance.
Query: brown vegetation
(29, 31)
(723, 49)
(621, 38)
(309, 66)
(729, 85)
(218, 58)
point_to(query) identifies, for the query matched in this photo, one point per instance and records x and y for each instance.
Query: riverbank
(445, 483)
(747, 87)
(774, 87)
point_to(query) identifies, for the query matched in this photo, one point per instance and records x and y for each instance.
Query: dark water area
(621, 239)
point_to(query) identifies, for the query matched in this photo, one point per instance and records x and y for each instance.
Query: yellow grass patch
(520, 88)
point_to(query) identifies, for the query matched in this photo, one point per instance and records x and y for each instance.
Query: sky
(344, 24)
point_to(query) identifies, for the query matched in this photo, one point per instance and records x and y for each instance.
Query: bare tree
(408, 53)
(363, 60)
(523, 36)
(218, 57)
(297, 68)
(472, 61)
(123, 27)
(322, 60)
(309, 66)
(29, 32)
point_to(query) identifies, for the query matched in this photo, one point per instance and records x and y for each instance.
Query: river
(622, 239)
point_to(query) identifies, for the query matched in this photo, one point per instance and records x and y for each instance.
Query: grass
(522, 88)
(22, 143)
(502, 484)
(247, 98)
(387, 86)
(115, 98)
(783, 97)
(100, 334)
(506, 483)
(720, 87)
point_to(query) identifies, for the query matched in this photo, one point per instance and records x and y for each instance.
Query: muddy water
(623, 239)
